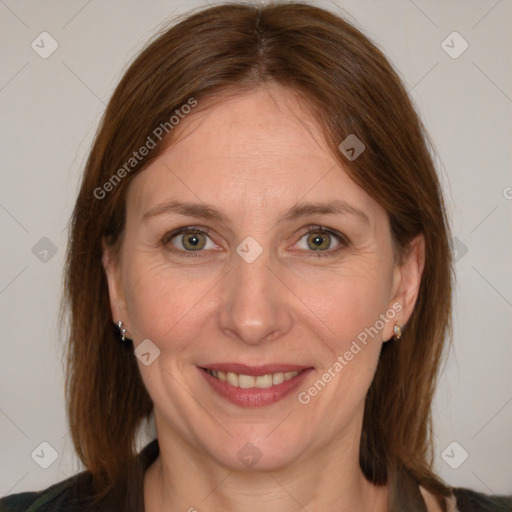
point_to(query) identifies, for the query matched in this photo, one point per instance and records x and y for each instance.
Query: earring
(121, 331)
(398, 332)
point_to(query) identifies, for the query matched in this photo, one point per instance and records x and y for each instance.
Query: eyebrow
(331, 208)
(185, 208)
(299, 210)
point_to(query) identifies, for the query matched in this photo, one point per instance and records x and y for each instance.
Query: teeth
(248, 381)
(232, 379)
(277, 378)
(263, 381)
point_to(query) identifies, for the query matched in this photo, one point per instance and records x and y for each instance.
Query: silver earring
(398, 332)
(122, 331)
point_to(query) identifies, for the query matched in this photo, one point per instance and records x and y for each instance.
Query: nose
(255, 303)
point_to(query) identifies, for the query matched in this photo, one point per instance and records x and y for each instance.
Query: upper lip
(255, 370)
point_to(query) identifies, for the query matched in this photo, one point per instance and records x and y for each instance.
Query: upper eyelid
(331, 231)
(186, 229)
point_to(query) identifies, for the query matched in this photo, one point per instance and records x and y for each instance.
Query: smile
(254, 386)
(239, 380)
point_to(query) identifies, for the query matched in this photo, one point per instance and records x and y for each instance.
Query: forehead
(253, 150)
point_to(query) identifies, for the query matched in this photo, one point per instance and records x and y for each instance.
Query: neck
(182, 479)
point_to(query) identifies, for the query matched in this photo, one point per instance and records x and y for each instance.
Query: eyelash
(342, 239)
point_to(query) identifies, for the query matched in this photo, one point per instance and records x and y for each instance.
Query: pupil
(193, 239)
(319, 241)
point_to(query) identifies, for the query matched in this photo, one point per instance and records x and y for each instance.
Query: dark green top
(405, 495)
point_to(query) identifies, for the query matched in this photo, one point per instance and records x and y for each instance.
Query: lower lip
(255, 397)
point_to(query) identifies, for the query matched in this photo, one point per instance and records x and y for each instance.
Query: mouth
(254, 386)
(241, 380)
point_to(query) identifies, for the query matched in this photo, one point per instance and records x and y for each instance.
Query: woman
(259, 257)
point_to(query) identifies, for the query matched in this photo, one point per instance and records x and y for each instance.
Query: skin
(254, 156)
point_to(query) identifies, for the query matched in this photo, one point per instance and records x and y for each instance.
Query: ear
(406, 284)
(112, 267)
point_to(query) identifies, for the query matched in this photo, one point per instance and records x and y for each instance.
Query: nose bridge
(254, 305)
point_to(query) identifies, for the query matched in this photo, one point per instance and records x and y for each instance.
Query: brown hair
(351, 88)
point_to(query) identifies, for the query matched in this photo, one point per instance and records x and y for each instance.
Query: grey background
(50, 109)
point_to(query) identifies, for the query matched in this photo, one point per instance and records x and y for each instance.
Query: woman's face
(248, 251)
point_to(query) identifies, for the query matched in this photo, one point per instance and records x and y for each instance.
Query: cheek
(165, 305)
(347, 306)
(345, 302)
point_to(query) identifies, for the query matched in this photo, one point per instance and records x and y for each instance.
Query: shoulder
(66, 495)
(76, 494)
(466, 500)
(472, 501)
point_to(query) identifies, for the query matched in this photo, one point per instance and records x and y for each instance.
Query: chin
(257, 453)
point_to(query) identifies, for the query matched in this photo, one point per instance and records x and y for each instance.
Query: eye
(189, 239)
(319, 239)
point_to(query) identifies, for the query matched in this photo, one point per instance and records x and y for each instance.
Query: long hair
(350, 88)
